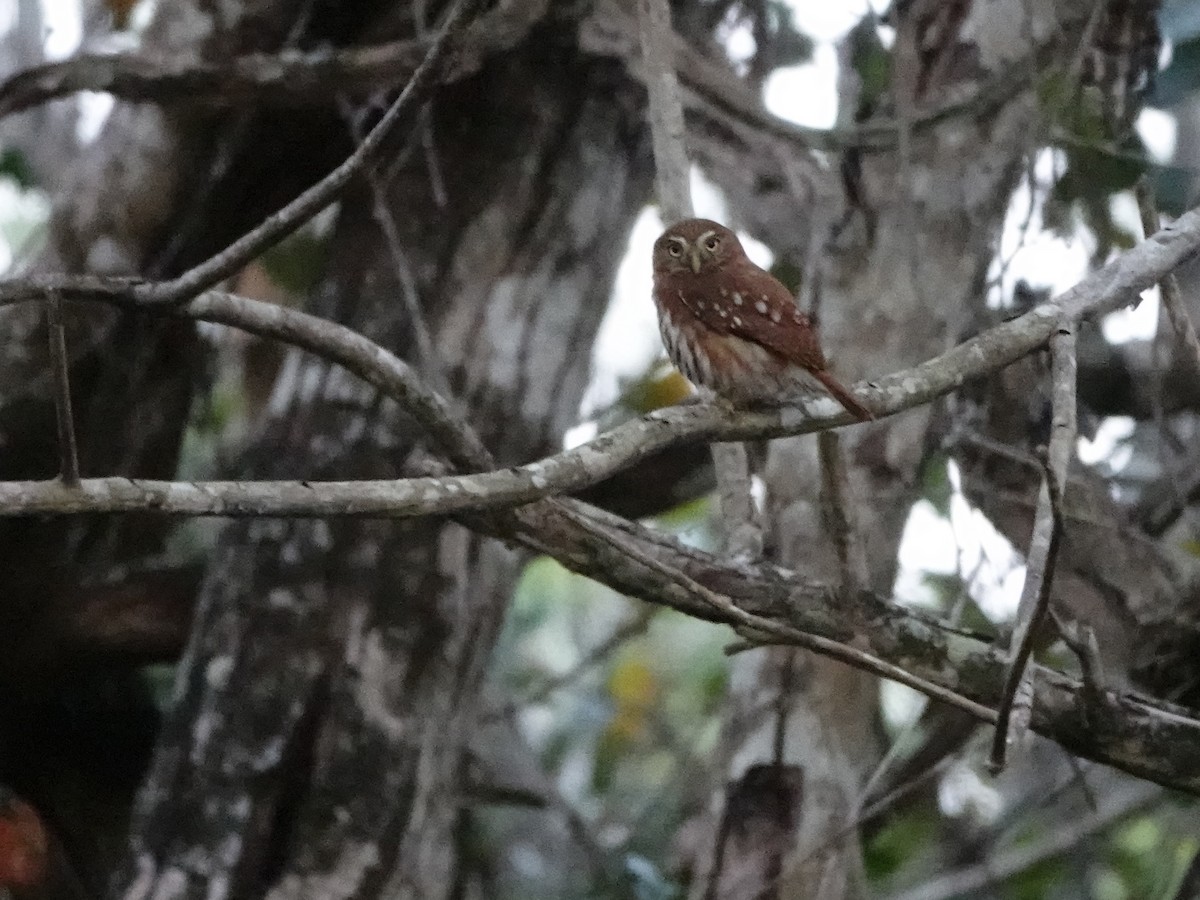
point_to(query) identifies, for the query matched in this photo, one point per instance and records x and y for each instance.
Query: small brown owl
(731, 326)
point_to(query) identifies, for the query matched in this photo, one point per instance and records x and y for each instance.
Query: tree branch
(1185, 331)
(1149, 739)
(290, 77)
(275, 227)
(1101, 292)
(997, 868)
(1043, 545)
(838, 513)
(303, 78)
(68, 449)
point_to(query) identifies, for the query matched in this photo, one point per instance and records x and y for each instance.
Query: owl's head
(695, 246)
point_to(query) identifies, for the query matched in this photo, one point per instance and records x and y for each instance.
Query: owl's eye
(712, 243)
(674, 249)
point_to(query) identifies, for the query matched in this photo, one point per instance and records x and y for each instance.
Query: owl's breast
(738, 369)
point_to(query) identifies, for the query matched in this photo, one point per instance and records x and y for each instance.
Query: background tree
(421, 701)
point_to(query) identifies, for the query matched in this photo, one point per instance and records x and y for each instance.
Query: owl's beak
(694, 255)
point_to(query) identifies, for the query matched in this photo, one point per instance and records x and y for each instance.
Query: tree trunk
(69, 630)
(318, 742)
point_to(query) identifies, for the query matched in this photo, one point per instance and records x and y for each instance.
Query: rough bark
(318, 742)
(123, 204)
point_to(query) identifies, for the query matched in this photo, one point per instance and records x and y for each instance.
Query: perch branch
(1103, 291)
(1150, 739)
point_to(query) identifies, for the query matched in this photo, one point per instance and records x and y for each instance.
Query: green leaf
(14, 165)
(297, 263)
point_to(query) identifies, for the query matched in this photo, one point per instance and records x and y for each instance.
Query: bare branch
(290, 77)
(427, 358)
(976, 879)
(615, 450)
(279, 225)
(767, 631)
(838, 513)
(1185, 331)
(1043, 545)
(68, 451)
(1150, 739)
(303, 78)
(666, 112)
(377, 366)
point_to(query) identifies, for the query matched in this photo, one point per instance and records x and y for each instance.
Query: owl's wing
(752, 304)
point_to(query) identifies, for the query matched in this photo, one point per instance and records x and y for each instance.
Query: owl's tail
(843, 396)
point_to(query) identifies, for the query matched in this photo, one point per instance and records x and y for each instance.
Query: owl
(732, 327)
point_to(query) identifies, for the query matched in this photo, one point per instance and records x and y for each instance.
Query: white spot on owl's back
(724, 313)
(737, 299)
(775, 317)
(724, 293)
(737, 320)
(761, 306)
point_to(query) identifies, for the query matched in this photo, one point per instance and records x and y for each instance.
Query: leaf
(297, 263)
(663, 386)
(14, 165)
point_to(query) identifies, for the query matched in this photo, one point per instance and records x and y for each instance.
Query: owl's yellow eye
(674, 249)
(712, 243)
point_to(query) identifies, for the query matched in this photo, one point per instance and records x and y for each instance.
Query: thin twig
(427, 358)
(672, 171)
(774, 632)
(1080, 639)
(68, 452)
(282, 223)
(1011, 723)
(837, 510)
(631, 627)
(783, 704)
(974, 880)
(1185, 331)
